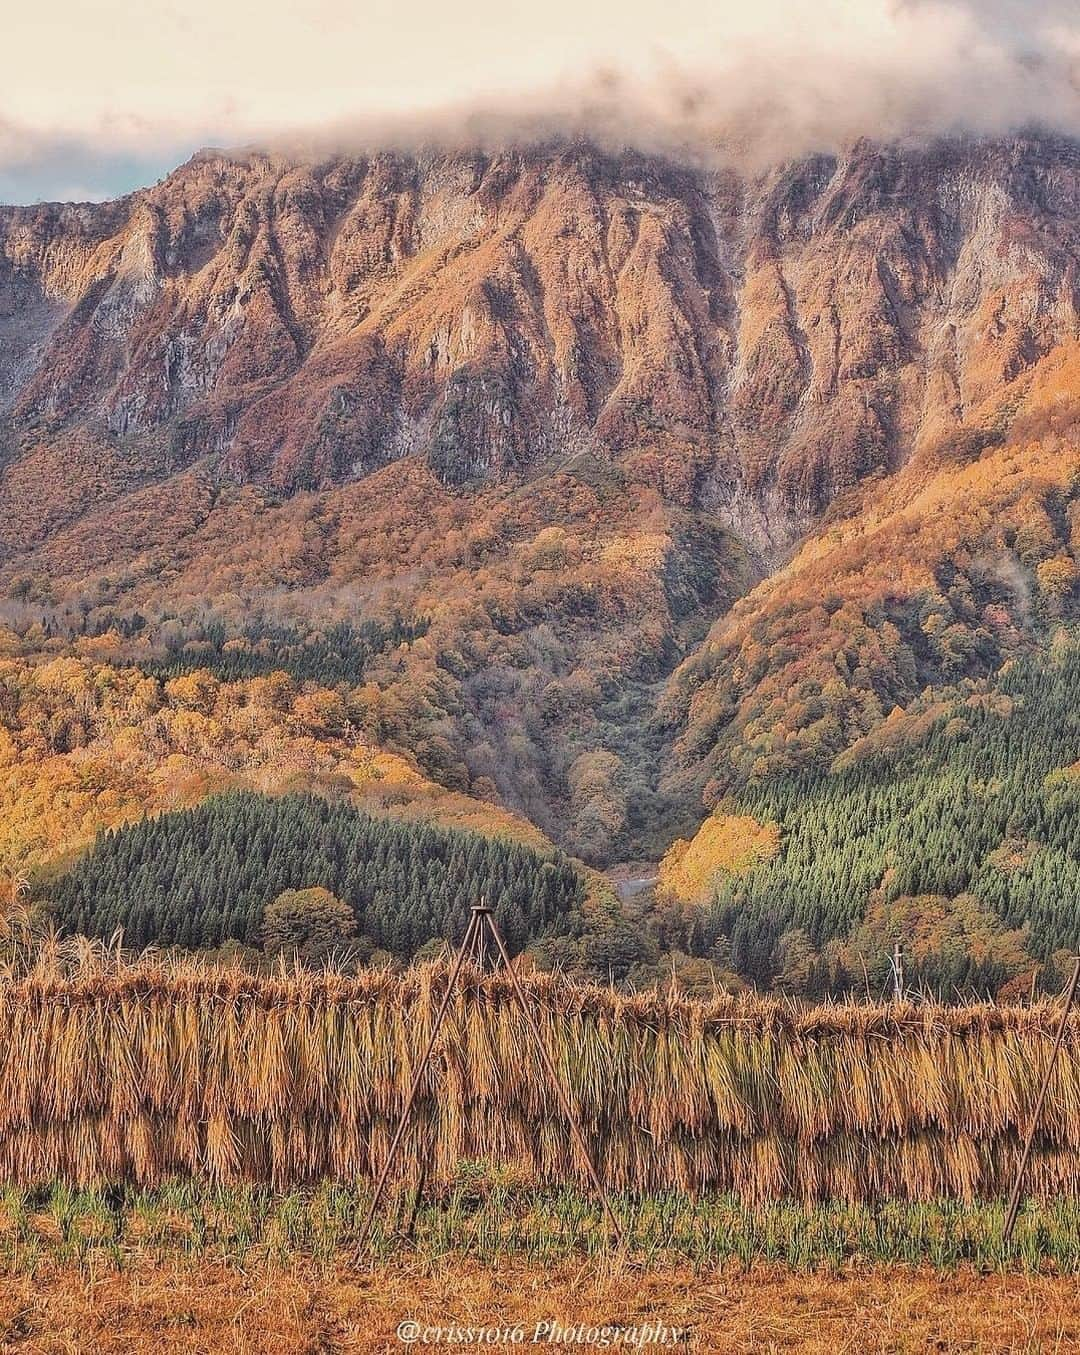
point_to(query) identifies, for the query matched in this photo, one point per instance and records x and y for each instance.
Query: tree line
(200, 877)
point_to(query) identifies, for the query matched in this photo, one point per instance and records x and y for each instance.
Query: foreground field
(196, 1270)
(187, 1268)
(158, 1307)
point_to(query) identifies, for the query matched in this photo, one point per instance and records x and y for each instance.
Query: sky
(102, 96)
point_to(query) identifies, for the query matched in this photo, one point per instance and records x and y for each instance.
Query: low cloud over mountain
(768, 81)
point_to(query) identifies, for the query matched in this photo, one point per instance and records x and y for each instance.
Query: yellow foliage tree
(724, 844)
(1058, 576)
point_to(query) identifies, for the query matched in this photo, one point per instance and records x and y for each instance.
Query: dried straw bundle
(145, 1070)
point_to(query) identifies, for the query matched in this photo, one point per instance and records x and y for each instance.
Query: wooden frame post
(421, 1068)
(1029, 1138)
(473, 947)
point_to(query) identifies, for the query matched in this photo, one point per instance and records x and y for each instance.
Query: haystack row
(147, 1071)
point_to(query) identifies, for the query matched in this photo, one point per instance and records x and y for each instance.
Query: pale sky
(100, 96)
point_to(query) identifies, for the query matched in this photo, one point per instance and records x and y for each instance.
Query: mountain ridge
(772, 339)
(570, 407)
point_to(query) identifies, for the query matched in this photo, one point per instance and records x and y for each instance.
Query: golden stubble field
(165, 1306)
(220, 1099)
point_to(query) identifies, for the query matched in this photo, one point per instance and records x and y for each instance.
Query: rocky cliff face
(758, 344)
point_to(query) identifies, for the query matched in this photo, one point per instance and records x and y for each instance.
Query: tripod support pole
(418, 1077)
(560, 1091)
(1018, 1187)
(472, 946)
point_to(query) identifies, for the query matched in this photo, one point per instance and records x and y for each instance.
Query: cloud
(766, 79)
(792, 78)
(43, 166)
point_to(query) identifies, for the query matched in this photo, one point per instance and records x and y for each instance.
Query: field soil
(170, 1306)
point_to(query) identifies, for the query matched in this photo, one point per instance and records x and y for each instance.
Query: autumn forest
(478, 579)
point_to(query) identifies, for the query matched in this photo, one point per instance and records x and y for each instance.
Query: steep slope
(897, 708)
(541, 417)
(772, 338)
(950, 829)
(964, 558)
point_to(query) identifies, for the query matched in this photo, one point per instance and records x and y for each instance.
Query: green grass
(492, 1220)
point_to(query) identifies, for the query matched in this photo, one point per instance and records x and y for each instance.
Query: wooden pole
(472, 945)
(1017, 1190)
(418, 1077)
(418, 1194)
(564, 1100)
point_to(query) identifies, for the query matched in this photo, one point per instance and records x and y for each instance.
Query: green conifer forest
(202, 876)
(984, 803)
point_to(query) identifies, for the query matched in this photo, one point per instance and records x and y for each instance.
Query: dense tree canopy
(310, 923)
(202, 876)
(971, 795)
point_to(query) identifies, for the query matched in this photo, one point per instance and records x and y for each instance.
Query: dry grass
(191, 1268)
(144, 1071)
(164, 1307)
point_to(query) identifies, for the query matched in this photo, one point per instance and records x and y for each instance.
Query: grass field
(488, 1221)
(184, 1268)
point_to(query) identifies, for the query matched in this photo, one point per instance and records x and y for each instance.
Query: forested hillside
(529, 422)
(579, 496)
(953, 829)
(88, 745)
(963, 559)
(337, 653)
(511, 643)
(202, 876)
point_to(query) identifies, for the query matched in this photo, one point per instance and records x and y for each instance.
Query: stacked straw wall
(148, 1072)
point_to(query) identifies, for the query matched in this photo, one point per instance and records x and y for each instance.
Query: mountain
(770, 340)
(603, 486)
